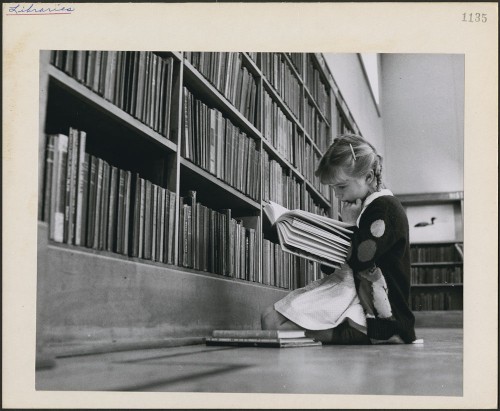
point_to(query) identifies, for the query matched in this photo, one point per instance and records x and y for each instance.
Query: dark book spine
(98, 201)
(136, 216)
(48, 173)
(126, 214)
(120, 212)
(171, 226)
(147, 221)
(103, 229)
(154, 219)
(142, 217)
(112, 223)
(91, 200)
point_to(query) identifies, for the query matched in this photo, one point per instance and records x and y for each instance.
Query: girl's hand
(351, 211)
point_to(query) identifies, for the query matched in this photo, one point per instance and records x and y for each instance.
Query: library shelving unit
(437, 266)
(154, 168)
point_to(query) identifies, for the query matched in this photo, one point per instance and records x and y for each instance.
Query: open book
(311, 236)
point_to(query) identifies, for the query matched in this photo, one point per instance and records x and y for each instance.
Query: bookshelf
(436, 254)
(153, 171)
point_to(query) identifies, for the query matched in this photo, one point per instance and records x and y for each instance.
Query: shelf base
(439, 319)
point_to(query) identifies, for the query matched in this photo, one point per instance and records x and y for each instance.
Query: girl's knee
(268, 319)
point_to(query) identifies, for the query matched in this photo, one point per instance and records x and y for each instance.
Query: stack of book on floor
(311, 236)
(261, 338)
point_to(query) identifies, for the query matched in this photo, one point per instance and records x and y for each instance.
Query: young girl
(366, 301)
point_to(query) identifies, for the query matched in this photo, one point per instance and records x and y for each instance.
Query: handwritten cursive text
(32, 9)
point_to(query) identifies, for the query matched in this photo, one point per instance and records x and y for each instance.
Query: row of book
(227, 73)
(436, 300)
(311, 162)
(279, 185)
(291, 145)
(436, 253)
(89, 202)
(317, 88)
(213, 143)
(278, 129)
(138, 82)
(279, 268)
(213, 241)
(437, 275)
(312, 205)
(279, 74)
(316, 127)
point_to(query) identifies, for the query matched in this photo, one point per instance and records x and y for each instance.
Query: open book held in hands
(311, 236)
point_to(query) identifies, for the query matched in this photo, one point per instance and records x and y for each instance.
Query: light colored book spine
(58, 189)
(82, 171)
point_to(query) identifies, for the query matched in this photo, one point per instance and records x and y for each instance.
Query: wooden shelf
(251, 65)
(114, 112)
(215, 192)
(430, 198)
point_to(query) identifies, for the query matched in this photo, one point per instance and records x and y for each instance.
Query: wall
(422, 104)
(353, 84)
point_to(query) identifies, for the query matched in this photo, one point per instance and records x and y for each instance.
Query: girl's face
(349, 189)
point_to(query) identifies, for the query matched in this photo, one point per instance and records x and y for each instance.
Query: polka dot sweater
(380, 259)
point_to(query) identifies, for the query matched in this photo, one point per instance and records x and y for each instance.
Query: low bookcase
(437, 277)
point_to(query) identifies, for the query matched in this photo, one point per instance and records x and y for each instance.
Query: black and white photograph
(224, 221)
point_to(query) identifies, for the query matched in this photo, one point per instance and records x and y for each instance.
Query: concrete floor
(434, 368)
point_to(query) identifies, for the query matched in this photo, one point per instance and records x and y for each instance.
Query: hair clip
(352, 151)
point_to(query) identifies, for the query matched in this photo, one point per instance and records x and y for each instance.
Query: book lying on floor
(263, 342)
(311, 236)
(258, 333)
(261, 338)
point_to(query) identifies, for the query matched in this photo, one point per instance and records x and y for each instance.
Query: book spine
(171, 225)
(81, 180)
(111, 232)
(49, 171)
(136, 216)
(126, 217)
(98, 201)
(91, 200)
(147, 220)
(70, 186)
(104, 206)
(154, 219)
(59, 190)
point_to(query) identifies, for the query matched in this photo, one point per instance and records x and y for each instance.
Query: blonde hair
(352, 155)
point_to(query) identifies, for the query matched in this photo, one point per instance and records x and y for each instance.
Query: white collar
(370, 198)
